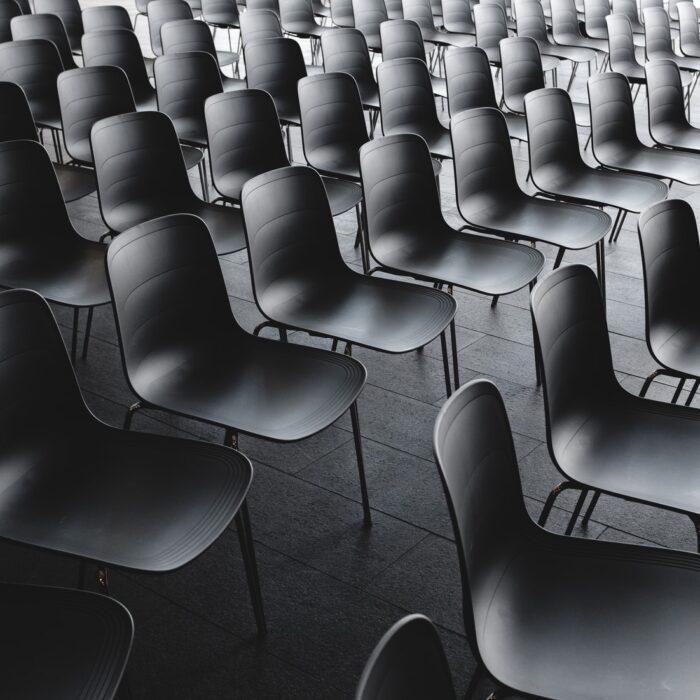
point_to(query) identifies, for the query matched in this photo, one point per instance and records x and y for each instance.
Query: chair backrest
(394, 9)
(565, 24)
(291, 238)
(645, 5)
(345, 51)
(401, 38)
(572, 336)
(620, 43)
(530, 21)
(138, 165)
(187, 306)
(521, 71)
(220, 11)
(629, 9)
(47, 27)
(272, 5)
(105, 17)
(409, 662)
(490, 23)
(420, 12)
(119, 47)
(16, 121)
(668, 234)
(612, 113)
(657, 33)
(187, 35)
(331, 117)
(673, 9)
(160, 12)
(8, 10)
(369, 14)
(87, 95)
(34, 64)
(689, 32)
(245, 138)
(342, 13)
(70, 15)
(476, 460)
(296, 11)
(400, 191)
(665, 95)
(259, 24)
(469, 81)
(406, 96)
(595, 12)
(457, 16)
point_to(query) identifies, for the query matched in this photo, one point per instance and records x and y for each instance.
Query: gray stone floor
(331, 588)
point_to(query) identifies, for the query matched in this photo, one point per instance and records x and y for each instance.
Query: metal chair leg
(600, 261)
(693, 391)
(474, 682)
(554, 494)
(649, 380)
(591, 508)
(74, 337)
(355, 418)
(455, 358)
(446, 364)
(88, 328)
(577, 512)
(559, 258)
(245, 538)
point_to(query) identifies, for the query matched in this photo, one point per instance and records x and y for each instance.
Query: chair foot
(245, 538)
(355, 418)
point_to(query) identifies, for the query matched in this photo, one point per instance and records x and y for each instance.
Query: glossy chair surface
(369, 14)
(659, 41)
(342, 14)
(457, 16)
(101, 17)
(159, 13)
(223, 14)
(8, 10)
(420, 12)
(566, 29)
(259, 24)
(44, 26)
(69, 12)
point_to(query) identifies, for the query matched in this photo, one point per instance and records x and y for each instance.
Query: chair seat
(305, 30)
(72, 274)
(577, 54)
(74, 182)
(146, 102)
(582, 114)
(192, 156)
(369, 311)
(149, 62)
(336, 161)
(461, 27)
(517, 126)
(342, 195)
(691, 51)
(132, 499)
(439, 86)
(482, 264)
(226, 58)
(581, 41)
(631, 70)
(521, 216)
(549, 63)
(278, 391)
(677, 136)
(223, 19)
(369, 94)
(684, 167)
(435, 36)
(374, 41)
(677, 344)
(438, 139)
(563, 608)
(231, 84)
(191, 131)
(61, 643)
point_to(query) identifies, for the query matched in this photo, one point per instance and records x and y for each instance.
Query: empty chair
(622, 56)
(141, 175)
(48, 27)
(457, 17)
(222, 14)
(70, 15)
(689, 41)
(369, 14)
(130, 500)
(287, 210)
(614, 135)
(259, 24)
(558, 170)
(470, 85)
(272, 5)
(630, 10)
(62, 643)
(8, 10)
(566, 29)
(394, 9)
(408, 105)
(408, 662)
(120, 47)
(420, 12)
(645, 5)
(595, 12)
(490, 23)
(195, 360)
(105, 17)
(490, 199)
(159, 13)
(298, 19)
(342, 14)
(659, 44)
(541, 610)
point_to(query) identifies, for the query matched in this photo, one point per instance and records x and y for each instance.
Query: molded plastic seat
(141, 175)
(259, 24)
(630, 9)
(272, 5)
(566, 29)
(369, 14)
(298, 19)
(491, 27)
(457, 17)
(645, 5)
(159, 13)
(595, 12)
(62, 643)
(420, 12)
(394, 9)
(659, 43)
(489, 197)
(470, 85)
(8, 10)
(409, 235)
(48, 27)
(342, 14)
(689, 42)
(409, 662)
(541, 610)
(222, 14)
(68, 11)
(408, 105)
(615, 141)
(102, 17)
(623, 58)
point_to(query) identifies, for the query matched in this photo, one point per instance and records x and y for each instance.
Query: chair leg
(600, 261)
(677, 393)
(693, 391)
(559, 258)
(245, 537)
(649, 380)
(494, 300)
(577, 511)
(474, 682)
(355, 418)
(130, 414)
(88, 328)
(455, 358)
(446, 364)
(554, 494)
(591, 508)
(74, 337)
(203, 178)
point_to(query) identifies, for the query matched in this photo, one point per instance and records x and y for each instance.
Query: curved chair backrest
(369, 14)
(293, 11)
(689, 32)
(87, 95)
(530, 21)
(665, 95)
(290, 233)
(491, 27)
(220, 12)
(331, 116)
(476, 460)
(409, 662)
(272, 5)
(342, 13)
(612, 112)
(160, 12)
(105, 17)
(47, 27)
(34, 64)
(119, 47)
(565, 23)
(521, 67)
(668, 234)
(16, 121)
(673, 9)
(345, 51)
(186, 35)
(245, 138)
(137, 159)
(469, 81)
(645, 5)
(401, 38)
(259, 24)
(394, 9)
(8, 10)
(420, 12)
(595, 12)
(629, 9)
(657, 33)
(187, 305)
(68, 11)
(620, 43)
(399, 186)
(406, 96)
(572, 336)
(457, 16)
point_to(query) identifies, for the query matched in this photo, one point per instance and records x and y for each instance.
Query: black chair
(342, 13)
(220, 367)
(141, 175)
(48, 27)
(558, 170)
(491, 27)
(40, 249)
(70, 15)
(470, 85)
(129, 500)
(292, 245)
(614, 136)
(159, 13)
(490, 198)
(408, 662)
(408, 105)
(420, 12)
(298, 19)
(120, 47)
(223, 14)
(566, 29)
(105, 17)
(457, 17)
(62, 643)
(368, 15)
(259, 24)
(689, 39)
(8, 10)
(541, 610)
